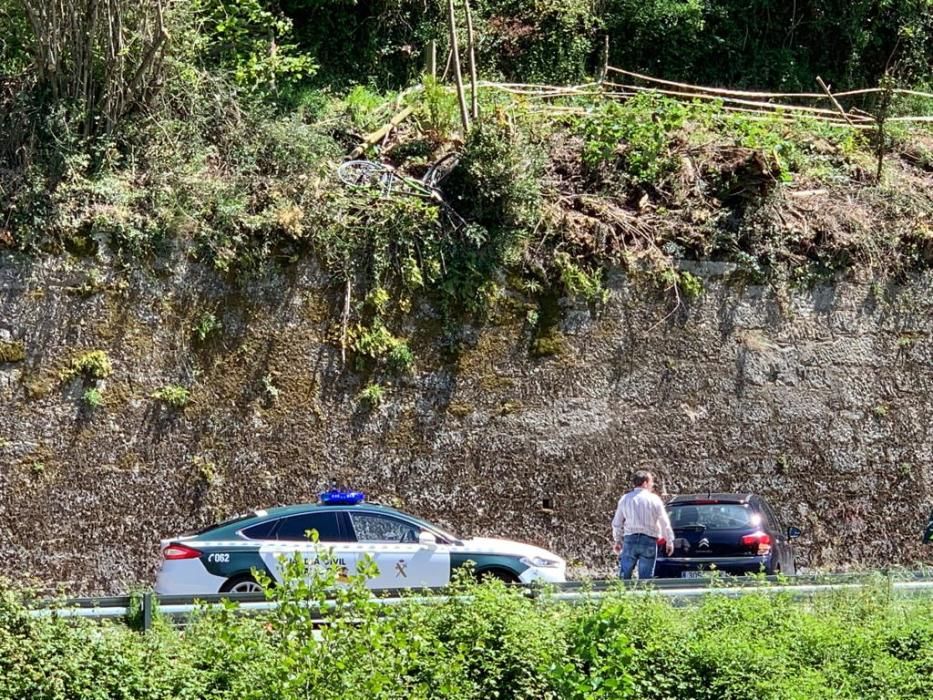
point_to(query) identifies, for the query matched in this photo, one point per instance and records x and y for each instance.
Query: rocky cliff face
(820, 400)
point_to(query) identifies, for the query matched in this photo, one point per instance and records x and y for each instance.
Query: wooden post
(455, 55)
(471, 55)
(604, 67)
(431, 59)
(147, 612)
(887, 93)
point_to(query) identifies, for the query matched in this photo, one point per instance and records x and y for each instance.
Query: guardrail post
(147, 611)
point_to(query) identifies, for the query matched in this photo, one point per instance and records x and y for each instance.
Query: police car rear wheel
(241, 584)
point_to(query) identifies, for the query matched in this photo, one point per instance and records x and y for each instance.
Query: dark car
(928, 535)
(730, 532)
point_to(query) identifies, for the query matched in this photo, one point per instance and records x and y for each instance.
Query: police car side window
(293, 529)
(379, 528)
(261, 531)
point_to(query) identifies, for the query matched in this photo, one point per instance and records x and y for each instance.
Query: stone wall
(820, 400)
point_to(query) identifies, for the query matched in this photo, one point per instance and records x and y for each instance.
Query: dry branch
(455, 57)
(717, 91)
(731, 100)
(829, 94)
(471, 57)
(103, 55)
(765, 95)
(382, 132)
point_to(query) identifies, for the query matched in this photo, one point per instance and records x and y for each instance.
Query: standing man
(640, 520)
(928, 535)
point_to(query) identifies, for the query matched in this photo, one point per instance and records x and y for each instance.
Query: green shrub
(250, 41)
(638, 133)
(14, 38)
(93, 397)
(537, 40)
(91, 365)
(401, 357)
(486, 641)
(437, 110)
(578, 282)
(497, 183)
(207, 325)
(12, 351)
(377, 343)
(372, 395)
(174, 395)
(367, 109)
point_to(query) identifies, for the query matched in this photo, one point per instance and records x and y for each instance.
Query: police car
(408, 552)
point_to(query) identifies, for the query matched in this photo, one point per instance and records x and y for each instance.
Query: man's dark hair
(640, 478)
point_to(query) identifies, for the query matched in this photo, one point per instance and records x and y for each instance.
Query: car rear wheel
(241, 584)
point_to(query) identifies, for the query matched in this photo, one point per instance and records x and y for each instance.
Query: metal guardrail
(680, 591)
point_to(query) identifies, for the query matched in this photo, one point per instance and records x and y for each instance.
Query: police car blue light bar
(336, 497)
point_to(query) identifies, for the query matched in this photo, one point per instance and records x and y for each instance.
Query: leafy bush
(14, 38)
(579, 282)
(638, 132)
(251, 42)
(93, 398)
(207, 325)
(655, 35)
(372, 395)
(537, 40)
(485, 641)
(497, 181)
(91, 365)
(767, 43)
(174, 395)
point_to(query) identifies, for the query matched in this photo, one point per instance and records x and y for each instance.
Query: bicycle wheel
(441, 169)
(366, 173)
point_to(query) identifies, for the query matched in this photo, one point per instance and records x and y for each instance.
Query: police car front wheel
(241, 584)
(498, 574)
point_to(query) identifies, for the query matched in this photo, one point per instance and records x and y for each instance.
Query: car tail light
(180, 551)
(662, 542)
(760, 542)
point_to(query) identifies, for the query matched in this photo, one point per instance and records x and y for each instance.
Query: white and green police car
(408, 552)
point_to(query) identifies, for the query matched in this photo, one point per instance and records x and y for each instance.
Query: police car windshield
(424, 524)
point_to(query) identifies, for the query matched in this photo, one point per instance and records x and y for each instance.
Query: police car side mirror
(793, 533)
(427, 538)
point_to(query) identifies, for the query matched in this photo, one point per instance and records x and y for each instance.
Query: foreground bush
(495, 643)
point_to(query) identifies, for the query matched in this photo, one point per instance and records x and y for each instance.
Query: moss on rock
(11, 351)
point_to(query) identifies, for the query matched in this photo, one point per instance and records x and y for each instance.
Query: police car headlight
(540, 562)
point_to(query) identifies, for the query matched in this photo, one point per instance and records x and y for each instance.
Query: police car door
(291, 535)
(402, 561)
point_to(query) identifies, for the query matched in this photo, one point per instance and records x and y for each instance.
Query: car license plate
(690, 574)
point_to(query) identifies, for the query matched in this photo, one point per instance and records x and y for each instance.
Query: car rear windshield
(224, 523)
(713, 516)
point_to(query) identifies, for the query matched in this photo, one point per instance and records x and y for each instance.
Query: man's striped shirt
(641, 512)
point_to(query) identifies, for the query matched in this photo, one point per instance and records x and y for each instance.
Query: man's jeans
(641, 550)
